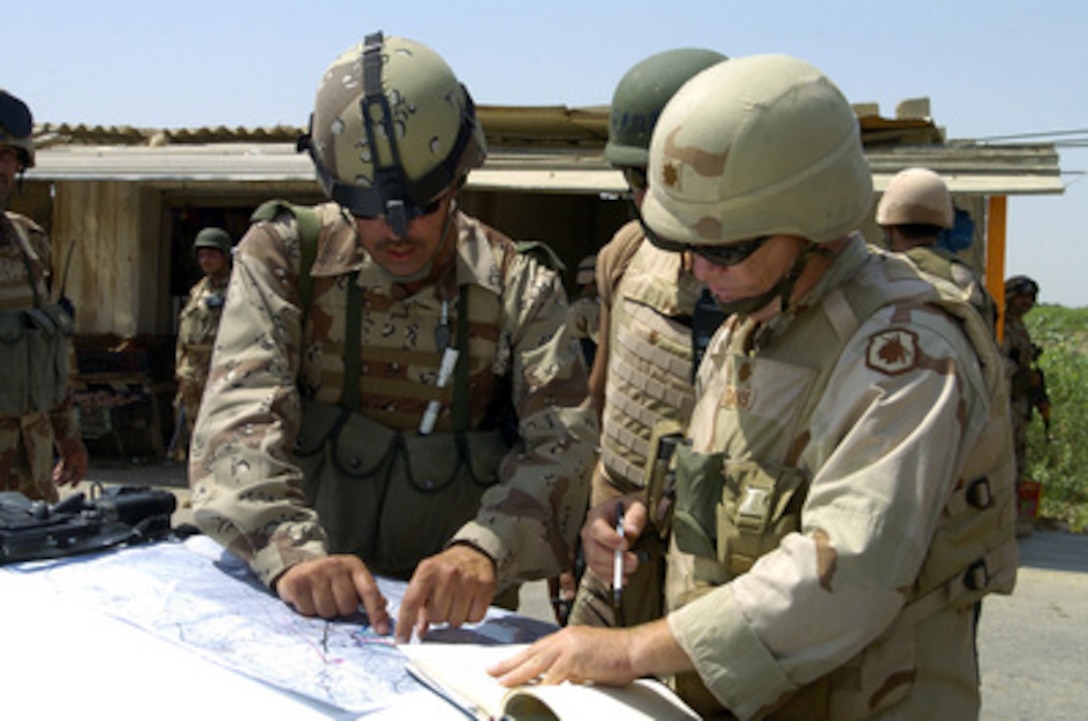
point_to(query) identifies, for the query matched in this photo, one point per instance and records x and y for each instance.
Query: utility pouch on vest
(660, 481)
(15, 390)
(699, 485)
(392, 498)
(34, 356)
(760, 504)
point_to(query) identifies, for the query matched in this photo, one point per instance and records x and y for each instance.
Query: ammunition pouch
(392, 497)
(660, 481)
(34, 356)
(734, 511)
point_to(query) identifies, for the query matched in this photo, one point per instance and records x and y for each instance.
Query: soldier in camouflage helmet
(393, 389)
(642, 371)
(37, 416)
(198, 324)
(914, 209)
(843, 496)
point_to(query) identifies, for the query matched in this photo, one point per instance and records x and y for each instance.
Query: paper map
(198, 595)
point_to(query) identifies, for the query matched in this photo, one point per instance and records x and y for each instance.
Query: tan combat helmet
(753, 147)
(17, 127)
(392, 128)
(916, 196)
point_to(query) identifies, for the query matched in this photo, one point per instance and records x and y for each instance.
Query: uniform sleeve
(887, 440)
(246, 493)
(529, 521)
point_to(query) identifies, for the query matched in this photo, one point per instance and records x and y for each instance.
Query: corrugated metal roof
(544, 149)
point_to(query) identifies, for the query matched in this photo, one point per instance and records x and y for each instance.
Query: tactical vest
(198, 324)
(731, 507)
(383, 490)
(34, 332)
(938, 263)
(649, 366)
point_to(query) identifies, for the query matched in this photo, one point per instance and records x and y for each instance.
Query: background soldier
(914, 209)
(847, 466)
(198, 324)
(394, 388)
(642, 375)
(37, 414)
(585, 311)
(1027, 389)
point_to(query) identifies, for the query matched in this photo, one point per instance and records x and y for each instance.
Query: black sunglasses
(411, 210)
(723, 255)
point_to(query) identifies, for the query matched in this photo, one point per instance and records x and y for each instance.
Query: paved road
(1031, 644)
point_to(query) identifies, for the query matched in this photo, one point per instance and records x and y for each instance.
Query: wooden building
(125, 205)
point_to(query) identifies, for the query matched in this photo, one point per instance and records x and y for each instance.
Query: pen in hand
(617, 560)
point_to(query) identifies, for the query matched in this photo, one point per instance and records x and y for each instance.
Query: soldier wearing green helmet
(38, 420)
(394, 389)
(842, 497)
(644, 357)
(198, 324)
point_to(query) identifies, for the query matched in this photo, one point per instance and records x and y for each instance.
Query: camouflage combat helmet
(216, 238)
(754, 147)
(17, 127)
(392, 128)
(916, 196)
(640, 96)
(1021, 285)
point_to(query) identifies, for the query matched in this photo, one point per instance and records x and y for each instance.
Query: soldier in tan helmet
(844, 493)
(914, 209)
(38, 421)
(394, 389)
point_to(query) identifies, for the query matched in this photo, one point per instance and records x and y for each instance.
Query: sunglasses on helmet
(721, 255)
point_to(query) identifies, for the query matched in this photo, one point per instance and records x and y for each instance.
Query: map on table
(198, 595)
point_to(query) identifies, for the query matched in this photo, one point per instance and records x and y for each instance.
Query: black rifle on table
(31, 530)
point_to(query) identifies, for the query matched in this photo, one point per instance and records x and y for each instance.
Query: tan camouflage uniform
(27, 440)
(805, 617)
(247, 489)
(198, 324)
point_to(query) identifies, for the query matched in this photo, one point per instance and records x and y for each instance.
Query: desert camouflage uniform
(650, 298)
(1020, 351)
(248, 490)
(943, 265)
(27, 439)
(198, 323)
(844, 487)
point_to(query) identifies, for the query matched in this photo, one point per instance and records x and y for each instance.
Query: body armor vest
(650, 366)
(735, 505)
(33, 331)
(938, 263)
(375, 481)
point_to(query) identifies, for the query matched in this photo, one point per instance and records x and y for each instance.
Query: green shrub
(1061, 464)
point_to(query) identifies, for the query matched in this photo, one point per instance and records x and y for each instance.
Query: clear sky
(990, 68)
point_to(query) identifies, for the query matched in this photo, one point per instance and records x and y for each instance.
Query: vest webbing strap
(353, 319)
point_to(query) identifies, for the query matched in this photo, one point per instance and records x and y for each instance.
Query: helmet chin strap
(425, 271)
(783, 288)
